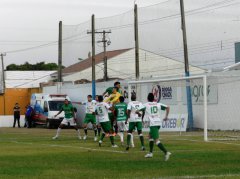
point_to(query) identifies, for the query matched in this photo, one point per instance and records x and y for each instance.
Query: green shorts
(111, 116)
(132, 126)
(89, 118)
(106, 126)
(154, 132)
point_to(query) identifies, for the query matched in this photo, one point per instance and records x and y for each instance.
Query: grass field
(31, 153)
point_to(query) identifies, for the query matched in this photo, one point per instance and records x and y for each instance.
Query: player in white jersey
(152, 114)
(90, 117)
(98, 124)
(101, 110)
(135, 120)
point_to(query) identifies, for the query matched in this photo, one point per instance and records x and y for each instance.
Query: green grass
(31, 153)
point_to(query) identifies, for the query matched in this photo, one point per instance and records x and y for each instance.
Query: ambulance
(46, 106)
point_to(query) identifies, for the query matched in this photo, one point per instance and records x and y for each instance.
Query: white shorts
(69, 121)
(121, 126)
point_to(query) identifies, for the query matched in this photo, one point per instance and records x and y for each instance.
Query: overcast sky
(28, 23)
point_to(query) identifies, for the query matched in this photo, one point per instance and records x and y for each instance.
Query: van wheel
(49, 124)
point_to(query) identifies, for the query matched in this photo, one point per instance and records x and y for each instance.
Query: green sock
(112, 140)
(85, 130)
(162, 148)
(151, 144)
(128, 139)
(142, 140)
(103, 135)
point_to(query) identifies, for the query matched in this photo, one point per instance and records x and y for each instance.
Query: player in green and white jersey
(101, 110)
(120, 112)
(152, 114)
(69, 118)
(135, 120)
(90, 117)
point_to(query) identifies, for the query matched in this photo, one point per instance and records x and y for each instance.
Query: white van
(46, 106)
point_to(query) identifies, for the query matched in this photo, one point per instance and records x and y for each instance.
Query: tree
(40, 66)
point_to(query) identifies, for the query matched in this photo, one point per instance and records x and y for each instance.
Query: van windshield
(55, 105)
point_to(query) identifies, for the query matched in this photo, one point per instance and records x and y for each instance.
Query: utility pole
(104, 41)
(3, 83)
(93, 57)
(136, 42)
(187, 73)
(60, 53)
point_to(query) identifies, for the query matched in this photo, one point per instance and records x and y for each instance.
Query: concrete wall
(7, 121)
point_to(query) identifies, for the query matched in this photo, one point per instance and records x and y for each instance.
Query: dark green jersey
(121, 111)
(68, 110)
(110, 89)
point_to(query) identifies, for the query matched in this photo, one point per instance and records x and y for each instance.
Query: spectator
(16, 114)
(28, 115)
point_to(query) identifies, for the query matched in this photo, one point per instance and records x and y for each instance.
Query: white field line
(72, 147)
(191, 140)
(202, 176)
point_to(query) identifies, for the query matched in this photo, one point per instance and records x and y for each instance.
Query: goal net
(206, 104)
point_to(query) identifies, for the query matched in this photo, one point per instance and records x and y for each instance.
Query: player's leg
(63, 123)
(155, 134)
(14, 122)
(104, 128)
(85, 123)
(94, 122)
(111, 136)
(99, 128)
(139, 129)
(18, 120)
(121, 128)
(77, 128)
(151, 143)
(130, 129)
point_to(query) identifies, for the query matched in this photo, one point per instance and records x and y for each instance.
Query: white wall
(7, 121)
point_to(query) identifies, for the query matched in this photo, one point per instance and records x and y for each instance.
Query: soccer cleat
(143, 148)
(55, 137)
(95, 138)
(100, 143)
(149, 155)
(127, 148)
(167, 156)
(84, 137)
(114, 146)
(79, 137)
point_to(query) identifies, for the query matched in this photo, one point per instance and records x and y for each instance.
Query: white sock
(132, 139)
(58, 132)
(78, 133)
(121, 136)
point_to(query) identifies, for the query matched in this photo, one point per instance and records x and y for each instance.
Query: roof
(26, 79)
(235, 66)
(87, 63)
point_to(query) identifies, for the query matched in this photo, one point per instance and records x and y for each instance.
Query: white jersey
(102, 111)
(90, 106)
(134, 106)
(152, 113)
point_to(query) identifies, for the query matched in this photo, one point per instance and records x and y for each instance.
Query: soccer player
(68, 119)
(98, 124)
(109, 90)
(135, 120)
(90, 117)
(152, 111)
(120, 112)
(101, 110)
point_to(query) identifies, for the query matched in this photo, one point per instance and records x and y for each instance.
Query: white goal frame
(203, 77)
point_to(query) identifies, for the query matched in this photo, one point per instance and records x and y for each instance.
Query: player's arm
(116, 98)
(59, 112)
(167, 109)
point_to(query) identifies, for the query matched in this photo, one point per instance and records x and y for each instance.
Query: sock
(161, 147)
(95, 131)
(142, 140)
(132, 139)
(78, 132)
(121, 136)
(85, 130)
(128, 138)
(151, 144)
(103, 135)
(99, 131)
(58, 131)
(112, 140)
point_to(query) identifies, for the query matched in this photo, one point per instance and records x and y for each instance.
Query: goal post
(171, 88)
